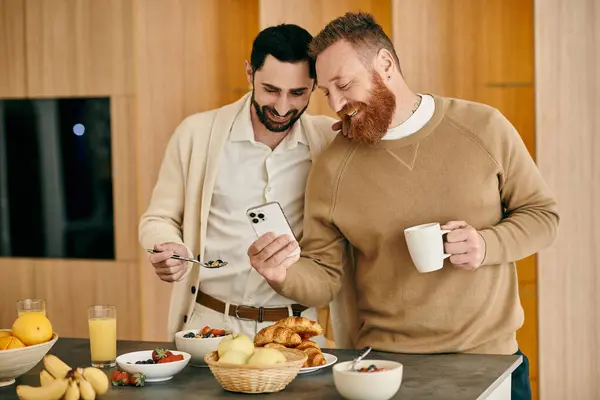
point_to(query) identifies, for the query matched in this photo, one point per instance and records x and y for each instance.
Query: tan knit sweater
(468, 163)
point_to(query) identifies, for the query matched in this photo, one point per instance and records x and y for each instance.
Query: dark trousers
(520, 386)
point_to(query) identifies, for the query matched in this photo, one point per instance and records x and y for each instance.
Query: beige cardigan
(178, 209)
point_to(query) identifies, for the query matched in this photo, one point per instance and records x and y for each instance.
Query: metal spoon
(210, 264)
(363, 354)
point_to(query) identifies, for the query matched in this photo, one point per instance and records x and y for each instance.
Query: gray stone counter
(431, 377)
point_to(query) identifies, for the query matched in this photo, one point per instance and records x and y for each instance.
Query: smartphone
(270, 217)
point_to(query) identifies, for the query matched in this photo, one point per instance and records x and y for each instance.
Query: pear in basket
(236, 342)
(234, 357)
(266, 356)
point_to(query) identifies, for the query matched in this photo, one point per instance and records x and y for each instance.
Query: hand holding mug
(464, 244)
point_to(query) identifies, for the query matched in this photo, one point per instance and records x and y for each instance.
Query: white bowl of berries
(155, 365)
(372, 379)
(199, 342)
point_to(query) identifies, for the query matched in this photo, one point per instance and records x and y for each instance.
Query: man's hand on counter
(271, 256)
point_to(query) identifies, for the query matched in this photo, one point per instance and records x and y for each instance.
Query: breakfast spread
(295, 333)
(239, 349)
(207, 332)
(161, 356)
(120, 378)
(266, 363)
(371, 368)
(215, 264)
(29, 329)
(58, 379)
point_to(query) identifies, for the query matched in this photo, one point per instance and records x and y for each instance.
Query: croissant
(274, 345)
(307, 344)
(302, 326)
(277, 334)
(315, 357)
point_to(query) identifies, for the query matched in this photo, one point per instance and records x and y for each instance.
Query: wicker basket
(257, 379)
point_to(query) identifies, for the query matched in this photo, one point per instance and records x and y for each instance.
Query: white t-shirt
(416, 121)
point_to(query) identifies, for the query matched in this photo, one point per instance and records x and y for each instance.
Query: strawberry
(170, 358)
(137, 380)
(164, 360)
(158, 354)
(205, 330)
(119, 378)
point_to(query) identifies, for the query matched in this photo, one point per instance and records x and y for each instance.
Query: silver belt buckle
(261, 312)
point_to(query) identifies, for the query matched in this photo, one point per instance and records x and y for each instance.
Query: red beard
(374, 117)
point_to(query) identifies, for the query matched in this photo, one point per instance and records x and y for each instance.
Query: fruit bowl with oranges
(23, 346)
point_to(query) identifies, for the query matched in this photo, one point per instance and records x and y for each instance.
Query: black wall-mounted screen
(56, 195)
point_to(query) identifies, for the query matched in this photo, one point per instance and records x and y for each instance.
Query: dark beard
(374, 117)
(269, 123)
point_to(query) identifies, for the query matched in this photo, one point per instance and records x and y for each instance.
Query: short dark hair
(360, 30)
(285, 42)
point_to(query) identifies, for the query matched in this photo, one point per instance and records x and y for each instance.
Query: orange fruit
(10, 342)
(32, 328)
(5, 333)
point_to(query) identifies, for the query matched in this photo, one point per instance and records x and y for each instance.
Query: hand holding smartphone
(270, 217)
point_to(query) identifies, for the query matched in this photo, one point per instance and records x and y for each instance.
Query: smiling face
(356, 92)
(280, 93)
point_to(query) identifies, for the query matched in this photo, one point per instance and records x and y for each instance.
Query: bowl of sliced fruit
(155, 365)
(200, 342)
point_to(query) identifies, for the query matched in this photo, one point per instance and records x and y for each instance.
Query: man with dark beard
(218, 164)
(411, 160)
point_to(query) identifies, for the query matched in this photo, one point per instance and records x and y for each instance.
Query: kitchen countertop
(431, 377)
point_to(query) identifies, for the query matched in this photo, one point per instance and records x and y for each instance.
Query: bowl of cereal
(199, 342)
(372, 379)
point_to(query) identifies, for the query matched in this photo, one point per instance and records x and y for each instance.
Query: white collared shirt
(251, 174)
(416, 121)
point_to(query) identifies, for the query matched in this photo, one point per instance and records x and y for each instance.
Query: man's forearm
(154, 230)
(309, 283)
(521, 234)
(530, 215)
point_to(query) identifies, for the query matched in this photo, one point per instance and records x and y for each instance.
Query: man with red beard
(411, 159)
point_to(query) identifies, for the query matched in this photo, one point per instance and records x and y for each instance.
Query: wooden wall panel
(480, 51)
(69, 288)
(12, 49)
(313, 15)
(79, 47)
(186, 63)
(124, 156)
(567, 50)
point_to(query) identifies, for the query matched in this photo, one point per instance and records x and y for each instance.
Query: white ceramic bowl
(16, 362)
(354, 385)
(153, 372)
(198, 348)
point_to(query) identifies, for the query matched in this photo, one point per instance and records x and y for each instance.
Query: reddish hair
(361, 31)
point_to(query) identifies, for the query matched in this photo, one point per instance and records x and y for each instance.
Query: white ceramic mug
(426, 246)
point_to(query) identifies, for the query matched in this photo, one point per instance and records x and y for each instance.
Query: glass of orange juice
(102, 321)
(31, 305)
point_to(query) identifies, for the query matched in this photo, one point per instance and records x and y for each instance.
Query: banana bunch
(59, 381)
